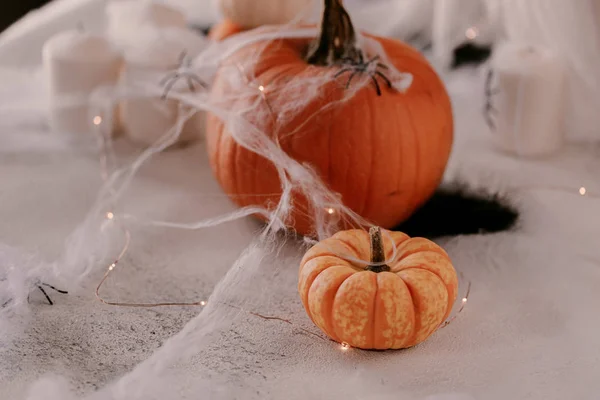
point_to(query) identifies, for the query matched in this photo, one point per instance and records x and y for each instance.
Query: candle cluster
(144, 41)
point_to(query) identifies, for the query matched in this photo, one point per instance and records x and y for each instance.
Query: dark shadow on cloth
(457, 210)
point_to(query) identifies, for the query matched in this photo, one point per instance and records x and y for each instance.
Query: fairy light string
(111, 267)
(471, 33)
(117, 262)
(260, 88)
(110, 216)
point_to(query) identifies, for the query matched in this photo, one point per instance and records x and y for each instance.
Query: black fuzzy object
(456, 210)
(469, 53)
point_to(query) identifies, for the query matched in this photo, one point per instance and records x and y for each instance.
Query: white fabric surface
(529, 330)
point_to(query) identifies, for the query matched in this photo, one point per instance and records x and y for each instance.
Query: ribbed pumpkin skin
(386, 310)
(385, 155)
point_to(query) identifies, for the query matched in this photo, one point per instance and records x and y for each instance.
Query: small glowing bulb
(330, 211)
(464, 300)
(345, 346)
(97, 120)
(261, 88)
(112, 266)
(582, 191)
(471, 33)
(202, 303)
(110, 215)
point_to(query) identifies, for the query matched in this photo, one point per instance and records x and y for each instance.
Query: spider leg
(199, 81)
(45, 294)
(489, 90)
(190, 84)
(182, 57)
(342, 72)
(490, 122)
(352, 77)
(380, 65)
(376, 85)
(55, 289)
(168, 77)
(487, 114)
(373, 59)
(168, 88)
(490, 110)
(385, 78)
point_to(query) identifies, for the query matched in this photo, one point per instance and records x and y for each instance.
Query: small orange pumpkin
(224, 29)
(383, 151)
(380, 307)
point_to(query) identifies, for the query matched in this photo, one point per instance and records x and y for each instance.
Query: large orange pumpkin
(391, 306)
(384, 154)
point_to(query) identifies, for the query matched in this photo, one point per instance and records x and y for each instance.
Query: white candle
(145, 117)
(75, 65)
(572, 30)
(528, 100)
(130, 20)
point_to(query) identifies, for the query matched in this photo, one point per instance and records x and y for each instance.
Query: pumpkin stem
(337, 39)
(377, 251)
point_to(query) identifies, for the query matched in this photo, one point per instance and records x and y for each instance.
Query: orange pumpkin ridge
(384, 155)
(378, 305)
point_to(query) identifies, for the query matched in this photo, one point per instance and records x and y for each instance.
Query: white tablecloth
(530, 329)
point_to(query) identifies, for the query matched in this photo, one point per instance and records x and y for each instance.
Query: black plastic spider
(361, 66)
(40, 286)
(183, 71)
(489, 109)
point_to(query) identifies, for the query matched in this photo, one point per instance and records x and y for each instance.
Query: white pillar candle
(75, 65)
(528, 100)
(145, 117)
(572, 30)
(130, 20)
